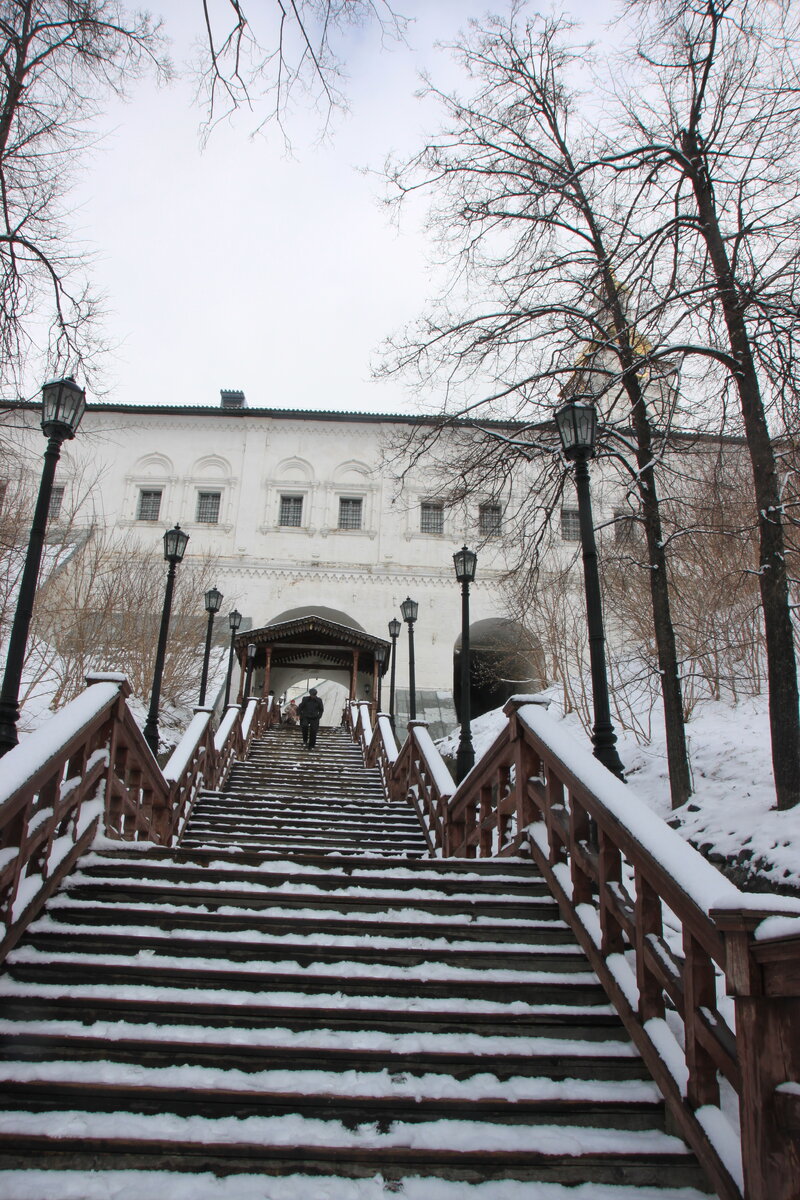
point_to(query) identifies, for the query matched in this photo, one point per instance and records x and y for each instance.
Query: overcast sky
(238, 266)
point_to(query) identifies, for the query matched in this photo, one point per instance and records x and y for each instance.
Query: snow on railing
(665, 932)
(89, 771)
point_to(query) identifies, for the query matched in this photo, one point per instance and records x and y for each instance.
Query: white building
(301, 510)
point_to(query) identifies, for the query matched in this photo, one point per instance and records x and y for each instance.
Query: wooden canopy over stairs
(316, 644)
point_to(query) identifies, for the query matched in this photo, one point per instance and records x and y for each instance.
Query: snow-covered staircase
(292, 799)
(240, 1021)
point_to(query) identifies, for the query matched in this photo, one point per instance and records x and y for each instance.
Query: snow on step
(227, 1023)
(132, 1185)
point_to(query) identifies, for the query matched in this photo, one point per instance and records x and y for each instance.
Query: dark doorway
(505, 659)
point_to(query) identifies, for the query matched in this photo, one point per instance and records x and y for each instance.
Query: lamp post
(251, 661)
(175, 541)
(63, 405)
(394, 633)
(409, 609)
(234, 620)
(577, 428)
(213, 599)
(380, 659)
(465, 562)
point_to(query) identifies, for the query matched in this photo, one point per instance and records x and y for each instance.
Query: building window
(56, 500)
(349, 514)
(291, 511)
(431, 518)
(208, 507)
(625, 527)
(149, 506)
(570, 525)
(490, 520)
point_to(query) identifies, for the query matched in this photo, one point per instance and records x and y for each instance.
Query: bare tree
(98, 613)
(715, 113)
(58, 60)
(536, 221)
(263, 53)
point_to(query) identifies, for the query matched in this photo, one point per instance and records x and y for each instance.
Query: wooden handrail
(88, 772)
(664, 931)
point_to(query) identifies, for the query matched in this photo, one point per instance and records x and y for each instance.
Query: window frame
(295, 498)
(355, 501)
(56, 502)
(626, 527)
(431, 508)
(570, 524)
(485, 529)
(149, 491)
(201, 520)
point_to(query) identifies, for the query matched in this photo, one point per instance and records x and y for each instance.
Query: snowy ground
(732, 813)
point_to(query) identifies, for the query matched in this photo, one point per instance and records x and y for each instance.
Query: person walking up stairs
(298, 1004)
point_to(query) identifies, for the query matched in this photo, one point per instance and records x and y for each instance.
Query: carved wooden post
(353, 675)
(764, 977)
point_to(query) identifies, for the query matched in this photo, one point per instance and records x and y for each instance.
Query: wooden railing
(685, 957)
(88, 774)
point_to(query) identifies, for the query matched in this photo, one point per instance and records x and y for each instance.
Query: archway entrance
(504, 659)
(315, 647)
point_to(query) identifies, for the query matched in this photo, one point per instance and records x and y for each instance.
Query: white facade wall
(252, 458)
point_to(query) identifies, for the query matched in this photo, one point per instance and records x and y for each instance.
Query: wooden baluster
(699, 991)
(649, 923)
(579, 829)
(48, 798)
(554, 802)
(609, 865)
(488, 803)
(503, 819)
(527, 763)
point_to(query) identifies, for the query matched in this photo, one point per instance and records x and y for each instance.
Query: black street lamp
(251, 662)
(234, 620)
(175, 541)
(394, 633)
(409, 609)
(63, 405)
(577, 427)
(380, 659)
(465, 562)
(213, 599)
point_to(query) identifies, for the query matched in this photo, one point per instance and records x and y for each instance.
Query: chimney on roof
(229, 399)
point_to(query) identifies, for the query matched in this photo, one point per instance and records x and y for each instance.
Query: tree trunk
(677, 755)
(773, 581)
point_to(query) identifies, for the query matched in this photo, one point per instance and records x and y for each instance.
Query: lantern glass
(394, 628)
(234, 619)
(465, 562)
(251, 650)
(175, 544)
(63, 405)
(409, 608)
(213, 600)
(577, 428)
(380, 654)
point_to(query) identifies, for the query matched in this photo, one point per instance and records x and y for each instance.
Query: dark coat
(311, 709)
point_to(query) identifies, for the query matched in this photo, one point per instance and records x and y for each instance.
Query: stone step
(507, 870)
(339, 874)
(329, 901)
(381, 1102)
(548, 1153)
(308, 923)
(545, 1039)
(251, 946)
(369, 981)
